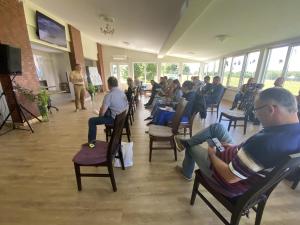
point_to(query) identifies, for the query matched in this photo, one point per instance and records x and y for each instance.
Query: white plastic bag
(127, 154)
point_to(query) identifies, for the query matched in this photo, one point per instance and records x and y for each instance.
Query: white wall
(89, 47)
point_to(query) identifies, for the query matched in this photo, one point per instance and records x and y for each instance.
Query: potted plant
(92, 90)
(42, 101)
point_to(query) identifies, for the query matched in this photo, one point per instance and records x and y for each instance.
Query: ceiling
(182, 28)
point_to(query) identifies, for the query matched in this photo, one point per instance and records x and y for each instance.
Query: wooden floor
(37, 182)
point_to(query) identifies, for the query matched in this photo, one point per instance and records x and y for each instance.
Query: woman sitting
(164, 116)
(130, 91)
(240, 95)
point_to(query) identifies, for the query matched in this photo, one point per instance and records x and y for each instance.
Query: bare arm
(221, 167)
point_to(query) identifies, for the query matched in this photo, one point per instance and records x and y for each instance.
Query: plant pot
(44, 112)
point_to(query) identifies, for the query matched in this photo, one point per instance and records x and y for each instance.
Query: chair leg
(120, 154)
(191, 131)
(235, 218)
(112, 177)
(260, 211)
(128, 132)
(235, 124)
(174, 148)
(229, 125)
(245, 126)
(150, 148)
(184, 131)
(217, 111)
(106, 134)
(195, 189)
(220, 117)
(78, 177)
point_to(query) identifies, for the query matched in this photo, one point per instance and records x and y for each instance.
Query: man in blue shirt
(114, 103)
(233, 171)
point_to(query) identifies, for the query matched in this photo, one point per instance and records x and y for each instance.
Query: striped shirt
(251, 160)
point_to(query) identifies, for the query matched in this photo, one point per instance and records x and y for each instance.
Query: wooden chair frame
(255, 198)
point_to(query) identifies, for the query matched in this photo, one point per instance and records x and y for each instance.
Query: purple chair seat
(92, 156)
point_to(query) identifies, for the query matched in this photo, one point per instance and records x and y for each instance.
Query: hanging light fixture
(107, 25)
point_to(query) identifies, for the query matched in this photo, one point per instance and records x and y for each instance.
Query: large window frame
(145, 80)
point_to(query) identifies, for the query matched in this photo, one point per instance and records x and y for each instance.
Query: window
(170, 70)
(292, 77)
(211, 69)
(190, 69)
(275, 65)
(251, 66)
(145, 71)
(120, 71)
(227, 68)
(235, 73)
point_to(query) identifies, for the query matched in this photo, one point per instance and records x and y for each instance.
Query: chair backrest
(115, 139)
(263, 189)
(178, 114)
(221, 97)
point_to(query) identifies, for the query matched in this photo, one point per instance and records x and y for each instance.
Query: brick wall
(13, 31)
(100, 65)
(76, 54)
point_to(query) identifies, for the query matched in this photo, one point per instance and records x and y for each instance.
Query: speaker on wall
(10, 60)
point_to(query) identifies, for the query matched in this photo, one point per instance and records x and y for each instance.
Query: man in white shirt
(114, 103)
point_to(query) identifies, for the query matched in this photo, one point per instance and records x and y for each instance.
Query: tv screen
(50, 31)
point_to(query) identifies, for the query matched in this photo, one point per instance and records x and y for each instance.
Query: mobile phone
(218, 144)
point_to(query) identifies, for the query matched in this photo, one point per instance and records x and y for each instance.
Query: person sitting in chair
(239, 96)
(114, 103)
(214, 95)
(234, 170)
(279, 82)
(154, 91)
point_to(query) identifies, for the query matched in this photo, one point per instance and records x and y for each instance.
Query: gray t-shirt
(116, 101)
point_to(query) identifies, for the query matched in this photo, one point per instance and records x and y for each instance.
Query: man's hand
(211, 151)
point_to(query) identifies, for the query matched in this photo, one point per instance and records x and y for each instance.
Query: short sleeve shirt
(257, 155)
(116, 101)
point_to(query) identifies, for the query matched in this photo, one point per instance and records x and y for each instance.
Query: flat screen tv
(50, 31)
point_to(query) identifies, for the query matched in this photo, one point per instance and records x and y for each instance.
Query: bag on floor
(127, 154)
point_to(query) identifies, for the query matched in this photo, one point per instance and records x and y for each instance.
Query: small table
(234, 116)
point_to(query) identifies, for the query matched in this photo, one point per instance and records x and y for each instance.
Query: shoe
(148, 118)
(179, 146)
(146, 104)
(76, 110)
(179, 170)
(83, 108)
(146, 131)
(91, 145)
(232, 108)
(149, 123)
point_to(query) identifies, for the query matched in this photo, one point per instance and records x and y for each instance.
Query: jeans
(93, 122)
(196, 153)
(238, 97)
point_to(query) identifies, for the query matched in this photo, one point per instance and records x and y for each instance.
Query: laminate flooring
(38, 186)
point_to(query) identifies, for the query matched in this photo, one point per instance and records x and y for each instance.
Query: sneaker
(149, 123)
(179, 146)
(149, 118)
(91, 145)
(179, 170)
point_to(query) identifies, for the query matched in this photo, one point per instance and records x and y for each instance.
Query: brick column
(13, 31)
(76, 54)
(100, 66)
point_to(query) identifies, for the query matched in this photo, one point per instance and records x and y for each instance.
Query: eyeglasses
(259, 108)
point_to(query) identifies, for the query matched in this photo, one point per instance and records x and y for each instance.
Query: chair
(188, 125)
(102, 155)
(255, 198)
(165, 133)
(234, 116)
(109, 127)
(216, 105)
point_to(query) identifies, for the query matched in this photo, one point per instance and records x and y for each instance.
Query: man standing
(233, 171)
(76, 78)
(114, 103)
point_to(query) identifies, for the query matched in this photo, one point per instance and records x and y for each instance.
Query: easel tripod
(19, 108)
